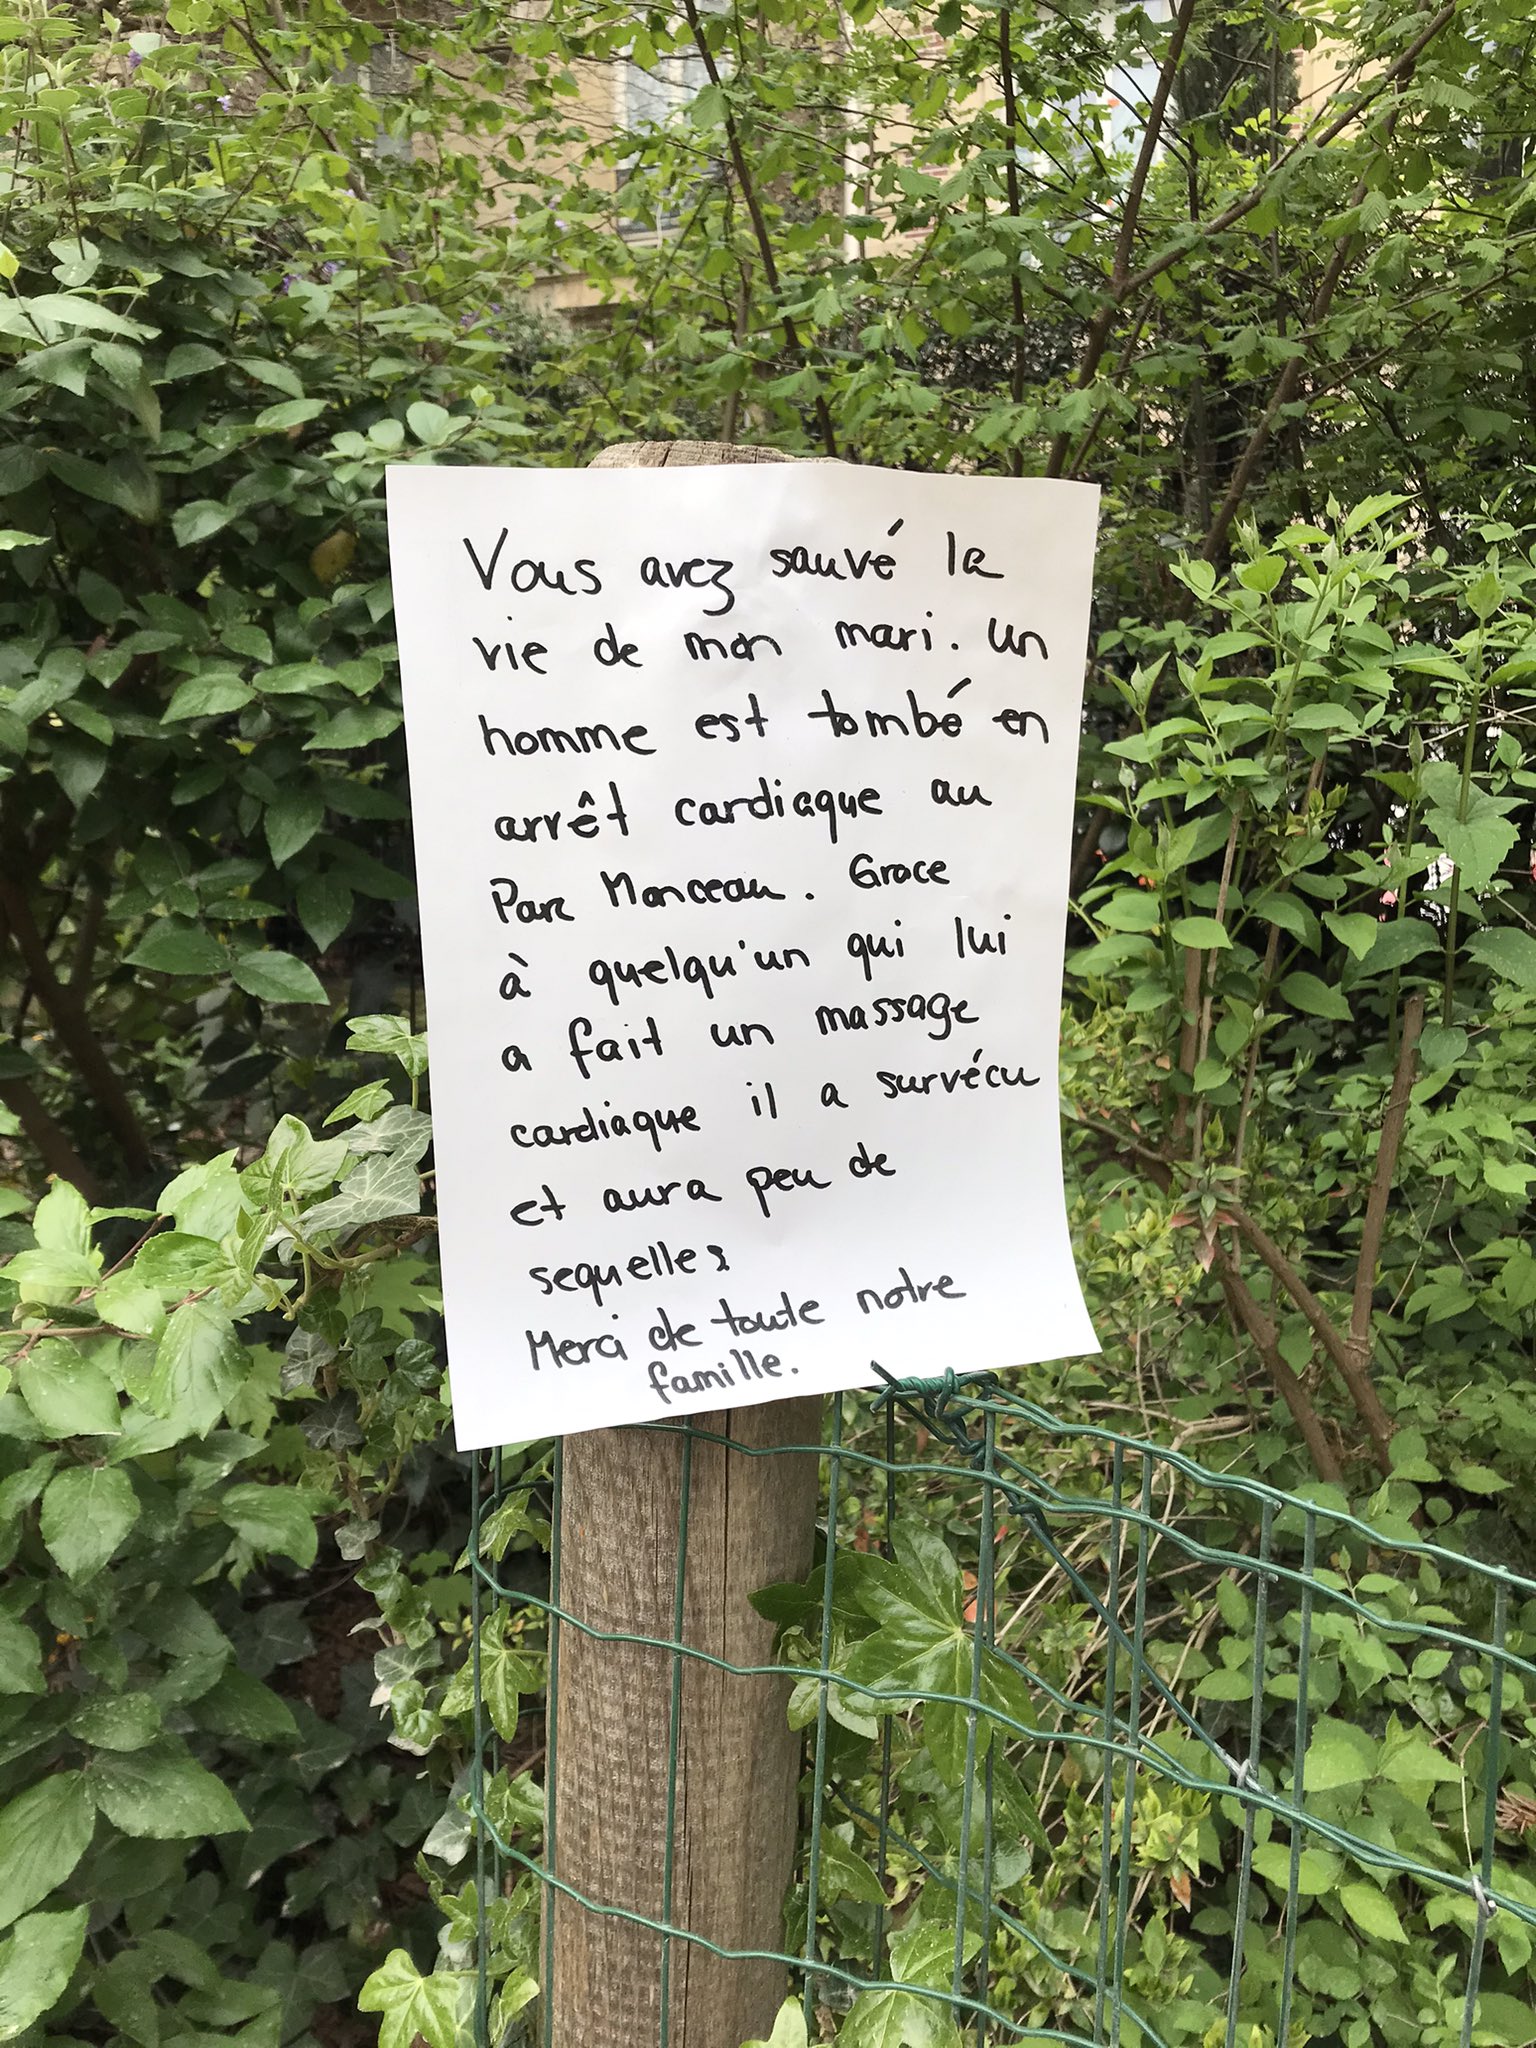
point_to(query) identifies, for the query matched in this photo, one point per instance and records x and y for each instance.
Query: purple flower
(288, 283)
(329, 270)
(466, 319)
(227, 101)
(134, 61)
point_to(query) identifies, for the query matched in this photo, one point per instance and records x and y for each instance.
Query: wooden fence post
(750, 1522)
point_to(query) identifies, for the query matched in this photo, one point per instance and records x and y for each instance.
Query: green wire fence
(1104, 1746)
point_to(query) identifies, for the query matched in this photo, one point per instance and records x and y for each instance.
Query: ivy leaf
(278, 978)
(271, 1518)
(364, 1103)
(197, 1367)
(87, 1511)
(788, 2028)
(392, 1036)
(36, 1964)
(43, 1834)
(898, 2019)
(436, 2007)
(846, 1874)
(381, 1186)
(175, 946)
(163, 1794)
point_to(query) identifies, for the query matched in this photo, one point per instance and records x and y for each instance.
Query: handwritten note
(742, 803)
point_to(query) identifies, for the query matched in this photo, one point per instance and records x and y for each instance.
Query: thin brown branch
(1130, 215)
(1315, 136)
(1250, 1315)
(50, 1140)
(747, 186)
(1357, 1383)
(1015, 209)
(1372, 1230)
(68, 1016)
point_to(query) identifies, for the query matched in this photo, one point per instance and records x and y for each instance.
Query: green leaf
(1509, 952)
(324, 906)
(200, 520)
(1478, 1479)
(21, 1654)
(379, 1187)
(175, 946)
(391, 1036)
(205, 1199)
(1477, 842)
(1307, 993)
(430, 423)
(68, 1395)
(87, 1511)
(359, 725)
(242, 1705)
(36, 1964)
(163, 1794)
(788, 2028)
(43, 1834)
(1372, 1912)
(1201, 933)
(125, 1720)
(1397, 942)
(62, 1222)
(293, 412)
(1278, 907)
(207, 697)
(846, 1874)
(436, 2007)
(1317, 1870)
(271, 1518)
(292, 822)
(197, 1367)
(365, 1103)
(191, 359)
(1339, 1754)
(278, 978)
(898, 2019)
(1353, 929)
(12, 538)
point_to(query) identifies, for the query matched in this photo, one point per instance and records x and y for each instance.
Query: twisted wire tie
(1486, 1906)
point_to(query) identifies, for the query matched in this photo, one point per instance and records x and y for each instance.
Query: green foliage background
(251, 254)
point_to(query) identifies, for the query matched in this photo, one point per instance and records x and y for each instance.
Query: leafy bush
(168, 1466)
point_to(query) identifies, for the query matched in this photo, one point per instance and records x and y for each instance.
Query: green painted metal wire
(1079, 1512)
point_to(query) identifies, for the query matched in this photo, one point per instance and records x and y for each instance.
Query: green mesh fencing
(1174, 1757)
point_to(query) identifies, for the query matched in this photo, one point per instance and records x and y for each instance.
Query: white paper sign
(742, 802)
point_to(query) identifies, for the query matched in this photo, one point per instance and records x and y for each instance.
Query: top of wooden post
(689, 455)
